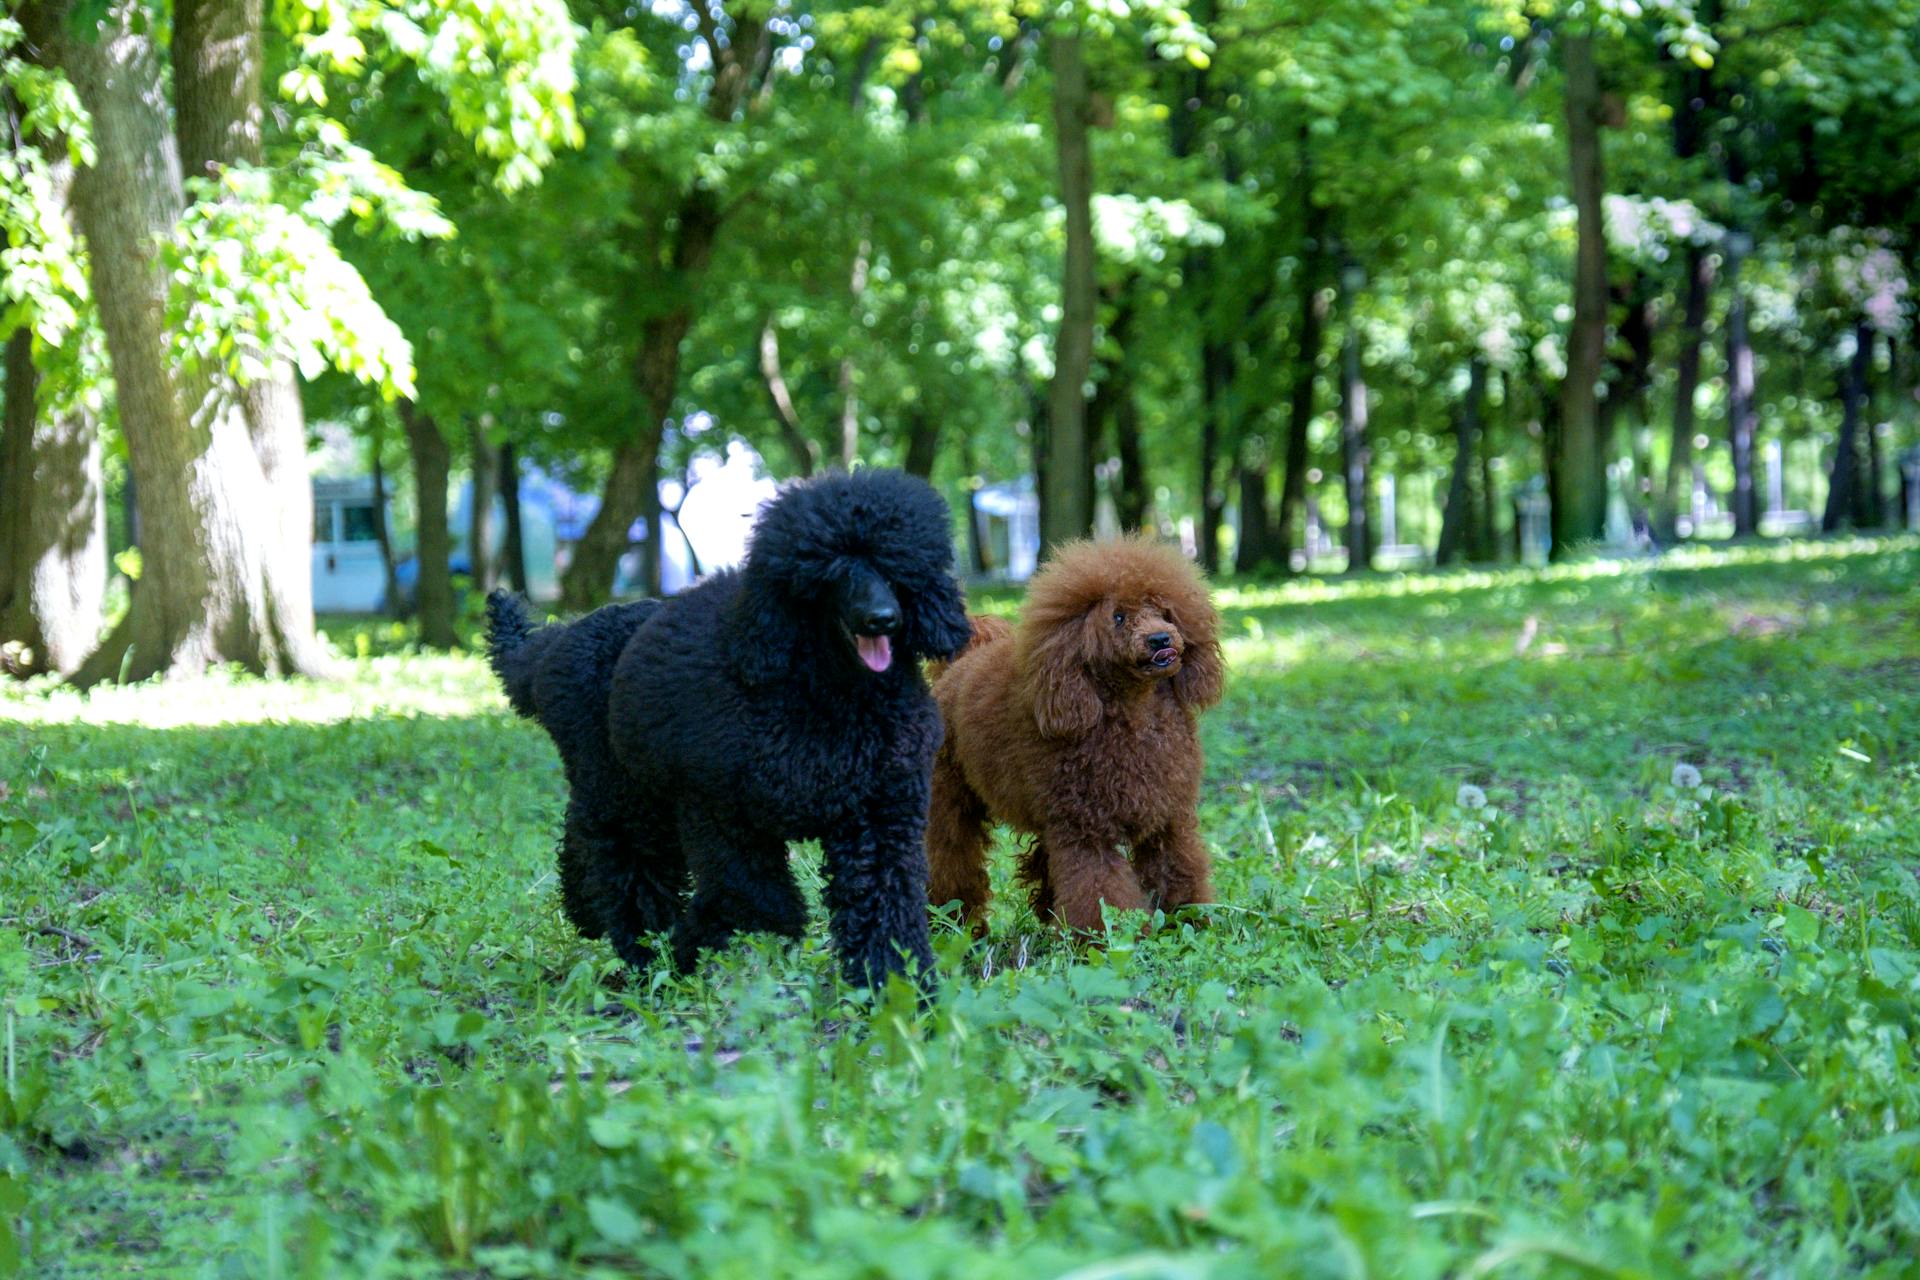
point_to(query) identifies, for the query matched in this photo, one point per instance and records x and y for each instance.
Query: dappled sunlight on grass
(1573, 908)
(397, 685)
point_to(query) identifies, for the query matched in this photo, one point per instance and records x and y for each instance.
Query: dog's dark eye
(1119, 617)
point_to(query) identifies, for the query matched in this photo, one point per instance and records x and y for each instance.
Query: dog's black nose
(1160, 640)
(879, 620)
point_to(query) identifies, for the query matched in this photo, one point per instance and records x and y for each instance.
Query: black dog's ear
(936, 621)
(761, 636)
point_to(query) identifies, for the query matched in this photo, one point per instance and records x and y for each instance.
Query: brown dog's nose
(1159, 640)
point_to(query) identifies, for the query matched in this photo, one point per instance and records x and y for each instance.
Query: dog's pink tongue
(875, 651)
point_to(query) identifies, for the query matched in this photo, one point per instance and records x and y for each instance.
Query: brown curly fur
(1062, 729)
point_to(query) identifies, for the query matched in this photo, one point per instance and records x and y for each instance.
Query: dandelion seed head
(1470, 797)
(1685, 776)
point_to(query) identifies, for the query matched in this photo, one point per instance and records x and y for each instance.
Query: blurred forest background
(1313, 287)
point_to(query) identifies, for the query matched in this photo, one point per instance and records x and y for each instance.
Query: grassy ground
(286, 991)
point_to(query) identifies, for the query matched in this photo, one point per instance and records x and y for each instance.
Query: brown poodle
(1077, 728)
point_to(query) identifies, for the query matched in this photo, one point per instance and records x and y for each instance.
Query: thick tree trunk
(217, 67)
(53, 527)
(1216, 383)
(805, 453)
(1741, 414)
(633, 485)
(1132, 498)
(1483, 545)
(1356, 455)
(1580, 491)
(1456, 524)
(210, 590)
(514, 551)
(1306, 364)
(382, 530)
(923, 442)
(1067, 505)
(433, 588)
(485, 458)
(1846, 498)
(849, 392)
(1254, 551)
(1677, 489)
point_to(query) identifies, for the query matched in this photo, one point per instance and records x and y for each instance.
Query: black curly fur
(703, 733)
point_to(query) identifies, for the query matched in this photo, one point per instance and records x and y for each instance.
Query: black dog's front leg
(877, 892)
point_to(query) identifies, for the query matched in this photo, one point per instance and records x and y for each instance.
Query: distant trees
(1266, 279)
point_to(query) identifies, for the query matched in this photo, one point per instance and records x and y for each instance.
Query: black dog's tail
(508, 653)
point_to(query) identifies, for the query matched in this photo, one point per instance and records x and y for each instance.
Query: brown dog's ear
(1065, 703)
(1203, 671)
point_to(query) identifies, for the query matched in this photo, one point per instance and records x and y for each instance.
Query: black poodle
(780, 701)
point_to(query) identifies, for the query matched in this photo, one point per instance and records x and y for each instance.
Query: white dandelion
(1685, 777)
(1470, 797)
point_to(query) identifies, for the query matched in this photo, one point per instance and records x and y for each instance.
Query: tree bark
(486, 483)
(433, 587)
(515, 549)
(210, 590)
(53, 526)
(382, 530)
(218, 122)
(805, 453)
(1483, 546)
(1741, 415)
(1132, 498)
(1456, 525)
(1355, 455)
(849, 393)
(923, 442)
(633, 485)
(1067, 504)
(1846, 498)
(1580, 491)
(1306, 365)
(1216, 383)
(1686, 384)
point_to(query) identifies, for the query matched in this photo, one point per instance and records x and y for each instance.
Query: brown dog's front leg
(1174, 867)
(957, 839)
(1084, 875)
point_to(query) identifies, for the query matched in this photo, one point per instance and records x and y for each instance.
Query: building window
(356, 524)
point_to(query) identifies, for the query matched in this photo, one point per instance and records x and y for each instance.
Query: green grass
(286, 990)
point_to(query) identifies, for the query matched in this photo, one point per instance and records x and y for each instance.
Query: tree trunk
(1483, 545)
(433, 587)
(1067, 504)
(1132, 498)
(53, 526)
(1216, 382)
(217, 64)
(1678, 486)
(923, 442)
(1456, 525)
(486, 482)
(515, 549)
(1355, 455)
(633, 485)
(1846, 499)
(1254, 551)
(1740, 408)
(1580, 491)
(382, 530)
(849, 394)
(805, 453)
(1306, 364)
(211, 588)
